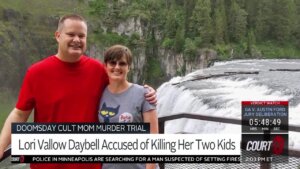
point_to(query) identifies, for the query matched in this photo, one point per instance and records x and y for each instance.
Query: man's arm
(15, 115)
(151, 95)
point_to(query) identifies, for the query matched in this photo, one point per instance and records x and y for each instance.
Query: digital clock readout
(262, 116)
(264, 122)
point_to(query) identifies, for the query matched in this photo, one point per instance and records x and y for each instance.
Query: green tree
(187, 13)
(237, 22)
(201, 22)
(263, 27)
(98, 7)
(296, 31)
(282, 20)
(173, 28)
(179, 40)
(250, 43)
(219, 22)
(190, 49)
(174, 20)
(251, 9)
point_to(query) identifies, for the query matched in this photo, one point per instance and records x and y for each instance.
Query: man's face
(71, 40)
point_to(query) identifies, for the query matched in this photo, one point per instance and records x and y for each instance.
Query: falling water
(220, 89)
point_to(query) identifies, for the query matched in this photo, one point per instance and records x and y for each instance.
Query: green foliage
(146, 10)
(168, 43)
(201, 22)
(239, 50)
(223, 51)
(41, 7)
(27, 35)
(154, 73)
(234, 28)
(111, 38)
(281, 20)
(185, 26)
(190, 49)
(250, 43)
(114, 38)
(99, 7)
(174, 21)
(134, 41)
(271, 50)
(263, 26)
(237, 22)
(219, 22)
(179, 40)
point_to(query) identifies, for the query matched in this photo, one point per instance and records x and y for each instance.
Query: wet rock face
(203, 59)
(174, 63)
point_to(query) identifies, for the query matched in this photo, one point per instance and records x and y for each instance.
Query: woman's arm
(151, 117)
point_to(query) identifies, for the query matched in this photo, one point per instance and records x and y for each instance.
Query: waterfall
(219, 90)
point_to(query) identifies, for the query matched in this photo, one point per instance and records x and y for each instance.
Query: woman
(123, 101)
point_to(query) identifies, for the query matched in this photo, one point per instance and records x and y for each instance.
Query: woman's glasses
(115, 63)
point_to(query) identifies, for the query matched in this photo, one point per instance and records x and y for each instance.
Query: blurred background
(168, 38)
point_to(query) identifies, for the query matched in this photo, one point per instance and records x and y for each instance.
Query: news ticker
(127, 159)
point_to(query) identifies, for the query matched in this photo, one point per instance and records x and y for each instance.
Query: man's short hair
(69, 16)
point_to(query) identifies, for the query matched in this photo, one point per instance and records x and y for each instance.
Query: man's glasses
(115, 63)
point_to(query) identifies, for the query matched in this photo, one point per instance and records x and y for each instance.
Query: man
(65, 87)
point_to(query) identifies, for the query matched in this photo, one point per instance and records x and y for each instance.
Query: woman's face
(117, 70)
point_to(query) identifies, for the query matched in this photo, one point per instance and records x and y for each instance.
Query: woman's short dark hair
(116, 52)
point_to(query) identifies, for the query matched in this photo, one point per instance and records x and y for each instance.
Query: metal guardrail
(162, 120)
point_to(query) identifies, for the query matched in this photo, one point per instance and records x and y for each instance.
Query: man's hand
(15, 116)
(5, 154)
(151, 95)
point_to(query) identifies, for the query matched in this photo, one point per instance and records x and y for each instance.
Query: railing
(162, 120)
(6, 164)
(6, 154)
